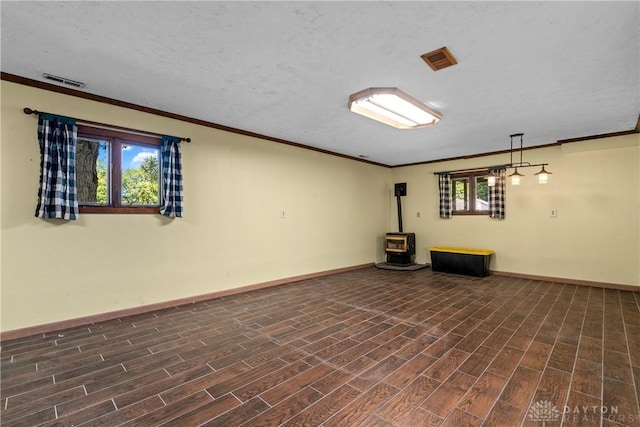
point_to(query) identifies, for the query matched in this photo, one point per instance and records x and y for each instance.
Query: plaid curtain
(57, 194)
(444, 185)
(496, 194)
(171, 177)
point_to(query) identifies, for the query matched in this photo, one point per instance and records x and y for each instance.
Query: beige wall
(232, 234)
(337, 211)
(595, 188)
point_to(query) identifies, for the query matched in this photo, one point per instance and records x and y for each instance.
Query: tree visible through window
(116, 172)
(141, 176)
(91, 170)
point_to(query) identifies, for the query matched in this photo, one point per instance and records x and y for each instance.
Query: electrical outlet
(418, 215)
(554, 213)
(283, 215)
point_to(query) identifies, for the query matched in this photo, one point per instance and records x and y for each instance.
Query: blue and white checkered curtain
(58, 194)
(496, 194)
(171, 177)
(444, 185)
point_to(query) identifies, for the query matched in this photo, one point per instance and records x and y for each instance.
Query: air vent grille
(439, 59)
(63, 80)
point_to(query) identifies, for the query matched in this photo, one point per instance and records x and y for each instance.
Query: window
(117, 172)
(470, 193)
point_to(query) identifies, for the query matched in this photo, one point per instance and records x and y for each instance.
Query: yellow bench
(471, 262)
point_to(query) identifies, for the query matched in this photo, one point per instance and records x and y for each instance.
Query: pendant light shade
(543, 176)
(515, 177)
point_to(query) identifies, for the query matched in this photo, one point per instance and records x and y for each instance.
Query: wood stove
(400, 248)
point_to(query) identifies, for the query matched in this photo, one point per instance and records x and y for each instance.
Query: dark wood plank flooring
(363, 348)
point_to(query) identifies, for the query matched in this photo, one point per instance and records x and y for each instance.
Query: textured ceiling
(553, 70)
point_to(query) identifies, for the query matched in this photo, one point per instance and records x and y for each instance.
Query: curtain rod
(28, 110)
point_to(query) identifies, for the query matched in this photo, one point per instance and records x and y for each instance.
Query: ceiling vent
(63, 80)
(439, 59)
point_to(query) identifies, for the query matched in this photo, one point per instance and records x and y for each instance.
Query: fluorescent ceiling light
(393, 107)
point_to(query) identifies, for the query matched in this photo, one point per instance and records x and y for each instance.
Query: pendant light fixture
(516, 176)
(543, 175)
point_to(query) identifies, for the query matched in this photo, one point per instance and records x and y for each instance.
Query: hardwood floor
(363, 348)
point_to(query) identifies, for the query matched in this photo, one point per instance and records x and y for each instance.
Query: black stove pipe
(399, 213)
(400, 190)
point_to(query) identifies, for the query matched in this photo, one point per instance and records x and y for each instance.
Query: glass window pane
(92, 171)
(482, 193)
(460, 194)
(140, 175)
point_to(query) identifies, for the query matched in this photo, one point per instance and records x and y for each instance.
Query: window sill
(121, 210)
(470, 213)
